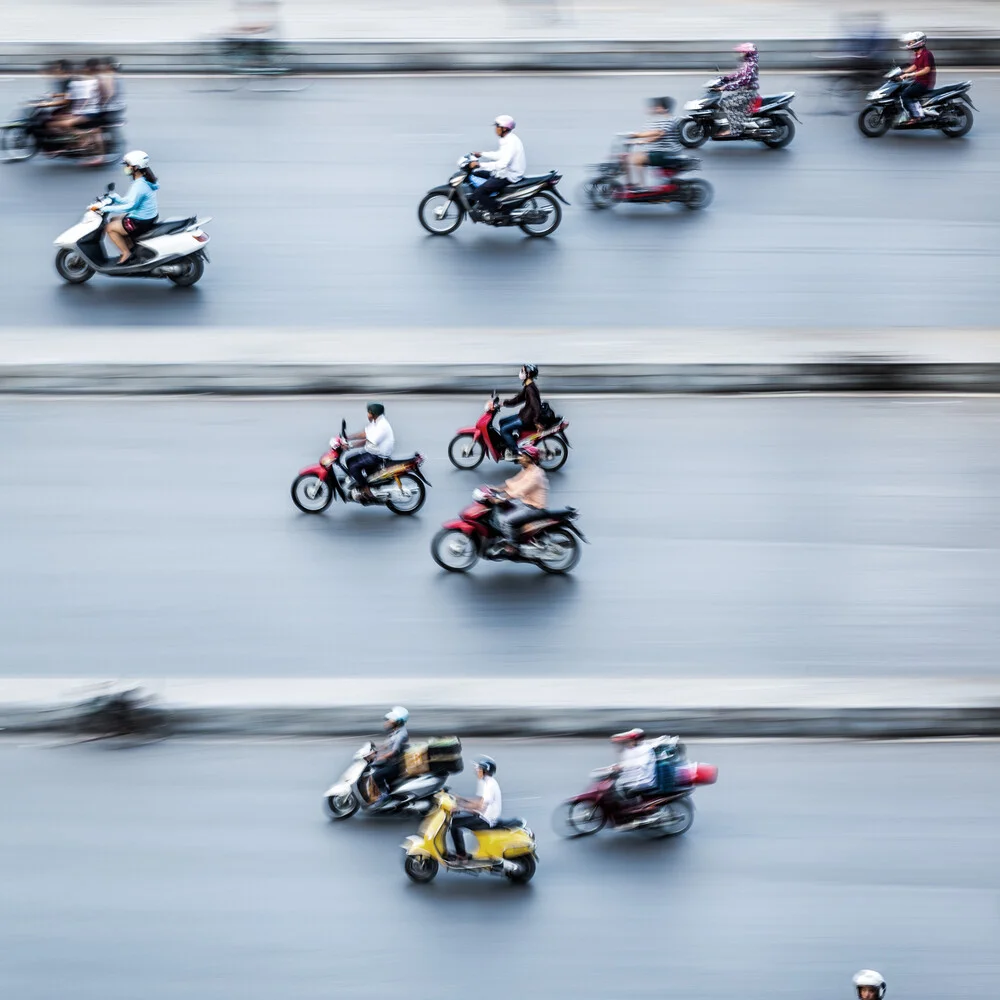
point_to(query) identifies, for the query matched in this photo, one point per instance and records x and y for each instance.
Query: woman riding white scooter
(139, 209)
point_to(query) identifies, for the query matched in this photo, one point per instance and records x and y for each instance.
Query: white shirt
(85, 95)
(489, 792)
(638, 766)
(508, 161)
(378, 438)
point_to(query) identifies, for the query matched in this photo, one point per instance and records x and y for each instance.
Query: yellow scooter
(506, 849)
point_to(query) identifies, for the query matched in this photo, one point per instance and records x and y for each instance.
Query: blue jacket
(140, 202)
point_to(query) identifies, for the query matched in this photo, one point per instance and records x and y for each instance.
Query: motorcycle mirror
(110, 187)
(343, 428)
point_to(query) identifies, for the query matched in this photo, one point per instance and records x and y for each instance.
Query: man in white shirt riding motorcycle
(479, 813)
(377, 441)
(637, 763)
(506, 166)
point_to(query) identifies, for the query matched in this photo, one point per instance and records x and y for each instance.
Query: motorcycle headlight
(874, 95)
(694, 105)
(326, 461)
(456, 180)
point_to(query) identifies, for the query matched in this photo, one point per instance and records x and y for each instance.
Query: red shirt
(922, 59)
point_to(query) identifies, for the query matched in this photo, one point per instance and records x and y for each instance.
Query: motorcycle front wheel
(72, 267)
(959, 121)
(439, 213)
(408, 497)
(420, 867)
(560, 551)
(692, 133)
(697, 195)
(454, 550)
(311, 494)
(599, 193)
(339, 807)
(578, 819)
(465, 452)
(874, 121)
(17, 144)
(192, 268)
(542, 202)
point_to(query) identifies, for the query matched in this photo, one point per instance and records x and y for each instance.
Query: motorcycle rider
(740, 90)
(507, 166)
(660, 139)
(138, 210)
(869, 985)
(922, 73)
(479, 813)
(389, 757)
(378, 442)
(530, 413)
(60, 72)
(527, 494)
(636, 763)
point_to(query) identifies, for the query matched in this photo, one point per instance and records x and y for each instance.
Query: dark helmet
(667, 103)
(487, 764)
(530, 370)
(376, 409)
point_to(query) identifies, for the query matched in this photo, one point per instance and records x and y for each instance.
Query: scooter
(550, 542)
(666, 811)
(173, 249)
(471, 445)
(356, 790)
(770, 120)
(398, 485)
(607, 187)
(947, 109)
(507, 849)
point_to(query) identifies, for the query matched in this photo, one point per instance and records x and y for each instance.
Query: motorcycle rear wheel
(17, 144)
(193, 269)
(786, 132)
(874, 122)
(692, 133)
(436, 200)
(321, 498)
(338, 807)
(542, 202)
(962, 116)
(526, 868)
(554, 452)
(679, 815)
(465, 452)
(412, 500)
(420, 867)
(570, 551)
(72, 267)
(697, 194)
(454, 550)
(578, 819)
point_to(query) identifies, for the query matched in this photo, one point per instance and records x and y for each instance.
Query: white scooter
(173, 248)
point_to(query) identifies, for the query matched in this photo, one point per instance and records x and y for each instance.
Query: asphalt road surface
(755, 536)
(208, 870)
(314, 196)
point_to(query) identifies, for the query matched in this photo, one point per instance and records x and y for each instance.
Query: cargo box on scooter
(444, 755)
(415, 760)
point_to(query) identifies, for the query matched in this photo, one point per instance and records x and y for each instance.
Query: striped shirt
(669, 141)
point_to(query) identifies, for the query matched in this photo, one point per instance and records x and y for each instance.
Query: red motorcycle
(655, 814)
(550, 543)
(471, 444)
(398, 485)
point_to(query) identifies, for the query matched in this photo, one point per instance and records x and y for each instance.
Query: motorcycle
(398, 485)
(530, 203)
(27, 134)
(356, 790)
(608, 186)
(770, 120)
(550, 543)
(506, 849)
(173, 249)
(947, 109)
(666, 812)
(471, 445)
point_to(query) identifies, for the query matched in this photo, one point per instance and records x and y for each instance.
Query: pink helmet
(628, 736)
(531, 451)
(746, 48)
(505, 122)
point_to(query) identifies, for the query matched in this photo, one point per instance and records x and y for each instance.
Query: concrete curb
(527, 55)
(857, 374)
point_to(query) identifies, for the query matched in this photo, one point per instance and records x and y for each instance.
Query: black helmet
(667, 103)
(376, 409)
(487, 764)
(530, 370)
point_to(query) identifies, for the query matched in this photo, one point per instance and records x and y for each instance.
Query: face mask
(127, 170)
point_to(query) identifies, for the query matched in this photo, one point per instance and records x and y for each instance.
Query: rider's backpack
(547, 416)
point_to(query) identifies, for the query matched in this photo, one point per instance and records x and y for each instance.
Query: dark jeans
(361, 466)
(911, 95)
(508, 428)
(465, 821)
(385, 774)
(485, 194)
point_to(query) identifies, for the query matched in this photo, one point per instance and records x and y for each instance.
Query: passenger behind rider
(480, 813)
(530, 413)
(389, 756)
(740, 91)
(527, 493)
(378, 442)
(660, 139)
(84, 113)
(636, 763)
(506, 166)
(922, 73)
(138, 211)
(112, 91)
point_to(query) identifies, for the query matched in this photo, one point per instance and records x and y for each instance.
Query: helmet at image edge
(530, 370)
(531, 451)
(869, 977)
(136, 158)
(487, 764)
(626, 737)
(746, 48)
(505, 121)
(913, 39)
(397, 715)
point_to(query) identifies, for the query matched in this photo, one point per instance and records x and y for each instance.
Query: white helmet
(913, 39)
(136, 159)
(397, 716)
(505, 122)
(869, 977)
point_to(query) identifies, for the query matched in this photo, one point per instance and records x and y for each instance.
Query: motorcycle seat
(681, 161)
(777, 98)
(167, 227)
(560, 513)
(527, 181)
(396, 461)
(941, 91)
(516, 823)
